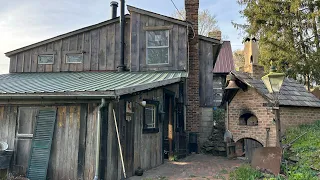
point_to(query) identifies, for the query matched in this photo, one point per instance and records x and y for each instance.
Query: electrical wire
(188, 23)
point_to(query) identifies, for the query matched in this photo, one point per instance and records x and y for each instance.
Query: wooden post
(170, 130)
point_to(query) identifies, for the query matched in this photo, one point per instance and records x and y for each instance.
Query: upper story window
(157, 47)
(74, 58)
(46, 59)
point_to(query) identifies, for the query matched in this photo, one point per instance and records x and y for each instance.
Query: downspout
(98, 138)
(121, 67)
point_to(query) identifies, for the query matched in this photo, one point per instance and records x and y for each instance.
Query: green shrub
(245, 172)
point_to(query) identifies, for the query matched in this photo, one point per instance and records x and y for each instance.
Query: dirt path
(193, 167)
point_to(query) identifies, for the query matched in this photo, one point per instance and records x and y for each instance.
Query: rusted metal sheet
(267, 159)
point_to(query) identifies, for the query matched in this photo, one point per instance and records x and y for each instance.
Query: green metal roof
(83, 84)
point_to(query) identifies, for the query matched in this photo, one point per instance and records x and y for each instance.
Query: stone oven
(251, 118)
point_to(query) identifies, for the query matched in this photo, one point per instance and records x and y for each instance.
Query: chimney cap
(114, 3)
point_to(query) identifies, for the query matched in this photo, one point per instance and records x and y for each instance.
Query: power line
(177, 9)
(188, 23)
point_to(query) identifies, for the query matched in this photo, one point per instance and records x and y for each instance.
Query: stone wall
(252, 101)
(294, 116)
(206, 124)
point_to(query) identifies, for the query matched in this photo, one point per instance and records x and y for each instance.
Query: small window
(157, 47)
(150, 117)
(74, 58)
(46, 59)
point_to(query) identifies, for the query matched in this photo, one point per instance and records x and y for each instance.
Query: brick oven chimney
(193, 99)
(251, 55)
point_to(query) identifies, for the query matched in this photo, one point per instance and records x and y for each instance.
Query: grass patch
(245, 172)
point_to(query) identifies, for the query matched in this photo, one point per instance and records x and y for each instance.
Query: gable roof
(291, 93)
(156, 15)
(83, 84)
(62, 36)
(225, 62)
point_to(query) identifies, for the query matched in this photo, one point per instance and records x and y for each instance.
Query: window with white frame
(74, 58)
(150, 116)
(46, 59)
(24, 134)
(157, 47)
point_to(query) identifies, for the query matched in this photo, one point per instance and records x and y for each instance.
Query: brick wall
(193, 103)
(294, 116)
(251, 101)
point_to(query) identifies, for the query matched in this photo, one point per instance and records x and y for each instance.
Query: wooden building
(64, 100)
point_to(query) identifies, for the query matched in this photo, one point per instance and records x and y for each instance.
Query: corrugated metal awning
(83, 84)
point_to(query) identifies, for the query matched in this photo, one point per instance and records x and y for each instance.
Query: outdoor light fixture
(142, 103)
(232, 83)
(273, 81)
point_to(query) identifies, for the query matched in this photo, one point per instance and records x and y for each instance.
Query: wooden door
(250, 145)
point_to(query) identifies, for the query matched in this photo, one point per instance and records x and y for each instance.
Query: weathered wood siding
(8, 116)
(101, 47)
(207, 52)
(178, 41)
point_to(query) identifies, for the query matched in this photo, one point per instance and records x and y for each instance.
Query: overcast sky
(23, 22)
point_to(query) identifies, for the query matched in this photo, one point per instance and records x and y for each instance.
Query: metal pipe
(98, 138)
(122, 27)
(114, 6)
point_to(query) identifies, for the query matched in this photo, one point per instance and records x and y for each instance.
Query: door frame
(171, 95)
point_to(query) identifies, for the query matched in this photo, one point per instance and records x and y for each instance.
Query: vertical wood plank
(127, 38)
(135, 33)
(94, 49)
(63, 151)
(82, 141)
(48, 67)
(208, 75)
(27, 61)
(87, 49)
(182, 48)
(117, 46)
(80, 43)
(41, 49)
(102, 48)
(73, 43)
(20, 62)
(202, 80)
(57, 47)
(110, 50)
(13, 64)
(34, 63)
(175, 46)
(64, 50)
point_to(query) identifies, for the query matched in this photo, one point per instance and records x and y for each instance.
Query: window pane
(23, 155)
(150, 116)
(27, 117)
(157, 55)
(45, 59)
(157, 38)
(74, 58)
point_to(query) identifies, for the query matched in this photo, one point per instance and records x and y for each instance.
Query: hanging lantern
(273, 81)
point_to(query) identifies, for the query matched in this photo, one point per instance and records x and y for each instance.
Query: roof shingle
(225, 62)
(291, 93)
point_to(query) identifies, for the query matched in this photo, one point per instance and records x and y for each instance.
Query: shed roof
(225, 62)
(292, 93)
(83, 84)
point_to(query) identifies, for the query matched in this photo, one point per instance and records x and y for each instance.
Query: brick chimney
(193, 99)
(251, 55)
(215, 34)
